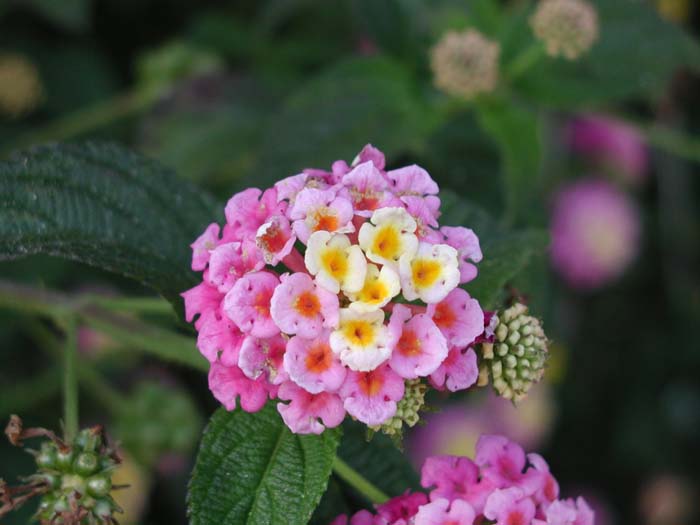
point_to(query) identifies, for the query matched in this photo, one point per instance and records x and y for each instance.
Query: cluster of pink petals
(595, 230)
(502, 485)
(303, 289)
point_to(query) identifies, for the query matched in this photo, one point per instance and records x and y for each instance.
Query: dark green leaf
(636, 55)
(377, 460)
(516, 131)
(334, 115)
(252, 470)
(104, 206)
(69, 14)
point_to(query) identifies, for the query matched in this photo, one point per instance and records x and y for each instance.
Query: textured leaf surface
(506, 253)
(252, 470)
(335, 114)
(635, 56)
(104, 206)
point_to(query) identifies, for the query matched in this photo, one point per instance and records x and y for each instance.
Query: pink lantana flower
(230, 261)
(569, 512)
(202, 298)
(299, 306)
(455, 478)
(418, 346)
(288, 188)
(248, 210)
(248, 304)
(371, 396)
(510, 506)
(228, 384)
(308, 413)
(275, 239)
(425, 211)
(412, 181)
(402, 507)
(371, 154)
(459, 318)
(202, 247)
(503, 463)
(316, 210)
(443, 512)
(468, 249)
(263, 356)
(457, 372)
(367, 189)
(218, 335)
(549, 489)
(312, 365)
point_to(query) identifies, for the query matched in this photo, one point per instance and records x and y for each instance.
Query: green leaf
(506, 253)
(69, 14)
(104, 206)
(252, 470)
(335, 114)
(636, 55)
(377, 460)
(516, 131)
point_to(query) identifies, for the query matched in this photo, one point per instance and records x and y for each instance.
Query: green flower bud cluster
(78, 479)
(516, 359)
(407, 409)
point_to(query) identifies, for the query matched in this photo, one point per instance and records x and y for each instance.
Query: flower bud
(407, 409)
(568, 28)
(465, 64)
(516, 358)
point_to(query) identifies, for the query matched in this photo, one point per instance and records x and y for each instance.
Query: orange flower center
(370, 383)
(319, 358)
(307, 304)
(409, 344)
(444, 315)
(273, 239)
(326, 220)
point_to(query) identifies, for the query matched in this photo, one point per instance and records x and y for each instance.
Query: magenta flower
(443, 512)
(455, 478)
(299, 306)
(371, 396)
(309, 413)
(509, 506)
(503, 463)
(202, 247)
(316, 210)
(459, 318)
(312, 365)
(419, 346)
(248, 304)
(322, 321)
(229, 384)
(462, 494)
(457, 372)
(595, 233)
(610, 144)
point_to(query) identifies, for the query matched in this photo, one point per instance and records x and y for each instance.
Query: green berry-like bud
(64, 459)
(99, 486)
(407, 409)
(516, 359)
(86, 463)
(46, 458)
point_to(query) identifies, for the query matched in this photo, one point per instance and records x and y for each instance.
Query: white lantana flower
(380, 287)
(336, 263)
(430, 274)
(361, 340)
(388, 236)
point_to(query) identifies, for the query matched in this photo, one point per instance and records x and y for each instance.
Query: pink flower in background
(595, 232)
(610, 144)
(302, 291)
(463, 493)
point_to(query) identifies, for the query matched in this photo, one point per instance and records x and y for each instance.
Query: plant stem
(141, 305)
(358, 482)
(70, 377)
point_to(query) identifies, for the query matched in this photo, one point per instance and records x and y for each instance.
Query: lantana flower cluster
(502, 485)
(333, 289)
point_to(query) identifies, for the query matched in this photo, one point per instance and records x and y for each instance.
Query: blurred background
(602, 151)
